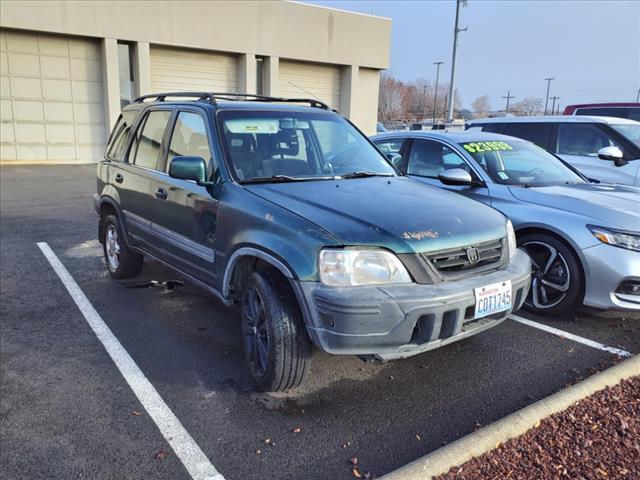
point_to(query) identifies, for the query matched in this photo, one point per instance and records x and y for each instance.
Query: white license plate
(493, 298)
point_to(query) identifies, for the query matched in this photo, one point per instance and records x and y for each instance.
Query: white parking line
(571, 336)
(186, 449)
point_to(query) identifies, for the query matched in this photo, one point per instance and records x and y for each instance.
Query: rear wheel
(556, 277)
(277, 349)
(121, 262)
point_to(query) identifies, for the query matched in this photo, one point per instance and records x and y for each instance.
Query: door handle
(119, 178)
(161, 193)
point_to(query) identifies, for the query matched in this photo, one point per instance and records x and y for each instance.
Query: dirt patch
(597, 438)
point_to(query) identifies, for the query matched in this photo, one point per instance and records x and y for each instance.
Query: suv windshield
(516, 162)
(631, 131)
(296, 146)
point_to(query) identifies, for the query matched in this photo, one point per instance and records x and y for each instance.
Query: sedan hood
(613, 205)
(397, 213)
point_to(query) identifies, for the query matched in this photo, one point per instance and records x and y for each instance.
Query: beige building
(67, 67)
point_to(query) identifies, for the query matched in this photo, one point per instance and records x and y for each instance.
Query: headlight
(361, 267)
(617, 238)
(511, 240)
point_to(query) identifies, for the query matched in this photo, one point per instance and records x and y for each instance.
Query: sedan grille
(477, 257)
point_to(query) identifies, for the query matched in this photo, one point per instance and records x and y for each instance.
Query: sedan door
(578, 144)
(186, 214)
(427, 158)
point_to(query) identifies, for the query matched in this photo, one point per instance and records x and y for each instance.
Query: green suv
(284, 208)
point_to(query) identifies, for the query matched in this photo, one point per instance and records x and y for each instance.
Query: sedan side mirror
(613, 154)
(189, 168)
(395, 159)
(455, 176)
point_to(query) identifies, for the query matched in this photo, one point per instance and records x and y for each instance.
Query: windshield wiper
(363, 174)
(282, 179)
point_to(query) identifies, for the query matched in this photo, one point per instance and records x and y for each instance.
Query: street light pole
(452, 87)
(546, 102)
(435, 95)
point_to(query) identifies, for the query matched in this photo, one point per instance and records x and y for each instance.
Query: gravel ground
(597, 438)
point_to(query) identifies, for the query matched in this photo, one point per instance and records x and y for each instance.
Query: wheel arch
(109, 206)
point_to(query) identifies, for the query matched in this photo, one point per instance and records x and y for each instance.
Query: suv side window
(582, 139)
(428, 158)
(148, 143)
(189, 138)
(120, 135)
(537, 133)
(492, 127)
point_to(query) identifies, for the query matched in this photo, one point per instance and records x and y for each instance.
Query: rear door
(185, 215)
(136, 177)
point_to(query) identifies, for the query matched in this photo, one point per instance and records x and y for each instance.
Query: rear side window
(602, 111)
(120, 136)
(537, 133)
(492, 127)
(146, 149)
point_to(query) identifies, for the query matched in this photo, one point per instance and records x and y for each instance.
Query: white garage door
(310, 80)
(52, 99)
(177, 69)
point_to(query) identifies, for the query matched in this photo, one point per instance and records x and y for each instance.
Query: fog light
(629, 287)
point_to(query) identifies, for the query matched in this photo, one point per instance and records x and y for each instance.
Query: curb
(485, 439)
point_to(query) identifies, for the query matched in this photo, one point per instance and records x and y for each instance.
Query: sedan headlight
(511, 240)
(361, 267)
(617, 238)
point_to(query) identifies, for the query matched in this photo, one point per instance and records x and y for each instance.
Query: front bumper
(398, 321)
(608, 267)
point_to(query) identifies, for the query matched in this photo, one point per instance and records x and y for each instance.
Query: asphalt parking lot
(67, 412)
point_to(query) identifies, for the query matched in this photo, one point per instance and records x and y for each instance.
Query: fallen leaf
(353, 460)
(297, 430)
(137, 414)
(258, 451)
(162, 454)
(418, 437)
(267, 440)
(537, 424)
(356, 473)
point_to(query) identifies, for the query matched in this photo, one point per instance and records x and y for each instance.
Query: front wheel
(556, 278)
(277, 349)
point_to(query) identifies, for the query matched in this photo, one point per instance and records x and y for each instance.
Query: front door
(427, 158)
(186, 214)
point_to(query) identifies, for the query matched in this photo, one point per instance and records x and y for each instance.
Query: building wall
(332, 55)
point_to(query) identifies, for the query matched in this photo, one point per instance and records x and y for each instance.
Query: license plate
(493, 298)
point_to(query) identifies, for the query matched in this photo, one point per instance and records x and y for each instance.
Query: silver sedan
(583, 238)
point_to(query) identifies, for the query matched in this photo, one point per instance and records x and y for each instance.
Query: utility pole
(546, 102)
(638, 96)
(452, 84)
(424, 101)
(553, 105)
(508, 97)
(435, 96)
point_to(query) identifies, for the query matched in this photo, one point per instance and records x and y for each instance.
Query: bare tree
(527, 107)
(390, 101)
(481, 106)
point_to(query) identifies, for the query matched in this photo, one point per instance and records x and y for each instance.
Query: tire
(121, 262)
(277, 349)
(557, 281)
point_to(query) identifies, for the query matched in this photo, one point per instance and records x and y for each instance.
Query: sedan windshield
(516, 162)
(294, 146)
(631, 131)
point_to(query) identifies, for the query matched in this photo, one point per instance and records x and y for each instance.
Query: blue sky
(591, 47)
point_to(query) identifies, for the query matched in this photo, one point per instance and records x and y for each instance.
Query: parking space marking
(570, 336)
(185, 448)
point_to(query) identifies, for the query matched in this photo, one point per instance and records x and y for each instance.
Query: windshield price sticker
(477, 147)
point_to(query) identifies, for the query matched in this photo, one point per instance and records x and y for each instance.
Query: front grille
(473, 257)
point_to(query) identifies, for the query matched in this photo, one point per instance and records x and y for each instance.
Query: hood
(397, 213)
(612, 205)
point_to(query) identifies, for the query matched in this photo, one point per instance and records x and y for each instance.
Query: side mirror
(189, 168)
(395, 159)
(613, 154)
(455, 176)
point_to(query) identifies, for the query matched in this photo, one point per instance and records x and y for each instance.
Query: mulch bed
(597, 438)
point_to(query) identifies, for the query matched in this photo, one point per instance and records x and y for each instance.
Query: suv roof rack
(213, 97)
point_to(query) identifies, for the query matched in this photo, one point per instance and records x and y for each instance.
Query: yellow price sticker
(478, 147)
